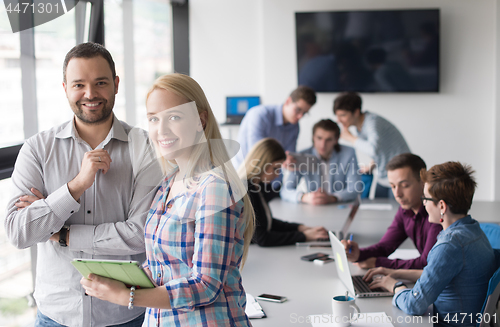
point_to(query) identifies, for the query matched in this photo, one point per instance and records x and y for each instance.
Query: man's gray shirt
(107, 222)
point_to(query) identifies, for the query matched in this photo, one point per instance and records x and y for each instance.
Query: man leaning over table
(280, 122)
(335, 179)
(83, 190)
(411, 220)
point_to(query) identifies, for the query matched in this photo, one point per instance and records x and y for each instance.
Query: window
(11, 124)
(142, 51)
(52, 41)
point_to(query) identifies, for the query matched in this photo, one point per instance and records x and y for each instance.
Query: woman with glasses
(261, 166)
(461, 262)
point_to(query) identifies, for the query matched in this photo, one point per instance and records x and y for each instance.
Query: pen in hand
(350, 240)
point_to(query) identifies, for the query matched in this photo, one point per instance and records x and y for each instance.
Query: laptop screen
(237, 107)
(351, 216)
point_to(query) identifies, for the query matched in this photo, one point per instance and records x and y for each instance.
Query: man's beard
(97, 118)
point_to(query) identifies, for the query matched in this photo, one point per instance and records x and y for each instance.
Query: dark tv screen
(369, 51)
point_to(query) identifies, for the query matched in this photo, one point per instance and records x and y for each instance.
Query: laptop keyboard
(363, 287)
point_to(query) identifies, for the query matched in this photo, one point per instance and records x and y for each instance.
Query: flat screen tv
(369, 51)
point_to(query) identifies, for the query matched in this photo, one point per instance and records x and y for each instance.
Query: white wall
(243, 47)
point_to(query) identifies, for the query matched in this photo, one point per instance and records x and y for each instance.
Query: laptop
(237, 107)
(341, 233)
(355, 285)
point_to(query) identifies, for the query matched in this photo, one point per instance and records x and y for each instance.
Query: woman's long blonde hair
(263, 153)
(212, 153)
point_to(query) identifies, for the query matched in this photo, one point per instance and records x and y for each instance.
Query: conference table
(308, 287)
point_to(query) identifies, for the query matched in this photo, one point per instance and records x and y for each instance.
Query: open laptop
(355, 285)
(341, 233)
(237, 107)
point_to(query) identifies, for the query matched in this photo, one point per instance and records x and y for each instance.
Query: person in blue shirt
(461, 262)
(335, 179)
(280, 122)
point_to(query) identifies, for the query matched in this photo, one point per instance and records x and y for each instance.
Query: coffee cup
(344, 310)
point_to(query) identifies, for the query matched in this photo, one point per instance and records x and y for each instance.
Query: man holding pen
(411, 220)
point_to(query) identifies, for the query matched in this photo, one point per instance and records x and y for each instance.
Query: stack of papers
(253, 309)
(365, 319)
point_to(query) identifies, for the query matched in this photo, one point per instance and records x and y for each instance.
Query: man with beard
(83, 190)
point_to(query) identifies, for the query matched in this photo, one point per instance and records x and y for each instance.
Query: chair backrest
(490, 304)
(492, 232)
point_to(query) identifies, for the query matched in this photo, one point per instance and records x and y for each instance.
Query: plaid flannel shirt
(194, 247)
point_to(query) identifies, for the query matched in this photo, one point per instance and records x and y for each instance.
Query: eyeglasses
(424, 200)
(300, 111)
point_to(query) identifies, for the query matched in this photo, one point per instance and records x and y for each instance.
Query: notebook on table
(355, 285)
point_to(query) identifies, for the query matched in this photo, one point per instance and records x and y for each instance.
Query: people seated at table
(377, 137)
(335, 179)
(461, 262)
(261, 166)
(411, 220)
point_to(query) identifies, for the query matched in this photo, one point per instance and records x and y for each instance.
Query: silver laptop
(355, 285)
(343, 232)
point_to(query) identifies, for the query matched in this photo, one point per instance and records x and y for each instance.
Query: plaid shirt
(194, 247)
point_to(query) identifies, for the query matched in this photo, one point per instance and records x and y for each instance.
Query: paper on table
(375, 206)
(253, 308)
(405, 254)
(379, 319)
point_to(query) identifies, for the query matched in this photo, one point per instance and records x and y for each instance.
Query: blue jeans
(44, 321)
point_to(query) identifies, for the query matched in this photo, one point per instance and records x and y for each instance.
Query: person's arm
(416, 263)
(392, 239)
(256, 129)
(43, 218)
(432, 281)
(289, 141)
(288, 234)
(351, 177)
(126, 235)
(368, 142)
(263, 237)
(289, 190)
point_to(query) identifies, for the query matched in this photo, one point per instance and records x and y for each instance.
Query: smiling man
(335, 179)
(83, 190)
(411, 220)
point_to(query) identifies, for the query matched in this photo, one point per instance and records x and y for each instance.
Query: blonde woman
(201, 221)
(262, 165)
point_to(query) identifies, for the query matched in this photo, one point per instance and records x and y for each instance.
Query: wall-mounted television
(369, 50)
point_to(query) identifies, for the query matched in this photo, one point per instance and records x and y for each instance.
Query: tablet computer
(128, 272)
(306, 162)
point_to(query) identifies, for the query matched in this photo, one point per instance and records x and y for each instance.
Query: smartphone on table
(272, 298)
(314, 256)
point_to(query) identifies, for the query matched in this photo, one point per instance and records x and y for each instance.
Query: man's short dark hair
(330, 126)
(453, 183)
(348, 101)
(89, 50)
(305, 93)
(410, 160)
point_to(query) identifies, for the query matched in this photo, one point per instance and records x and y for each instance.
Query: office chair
(492, 232)
(491, 302)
